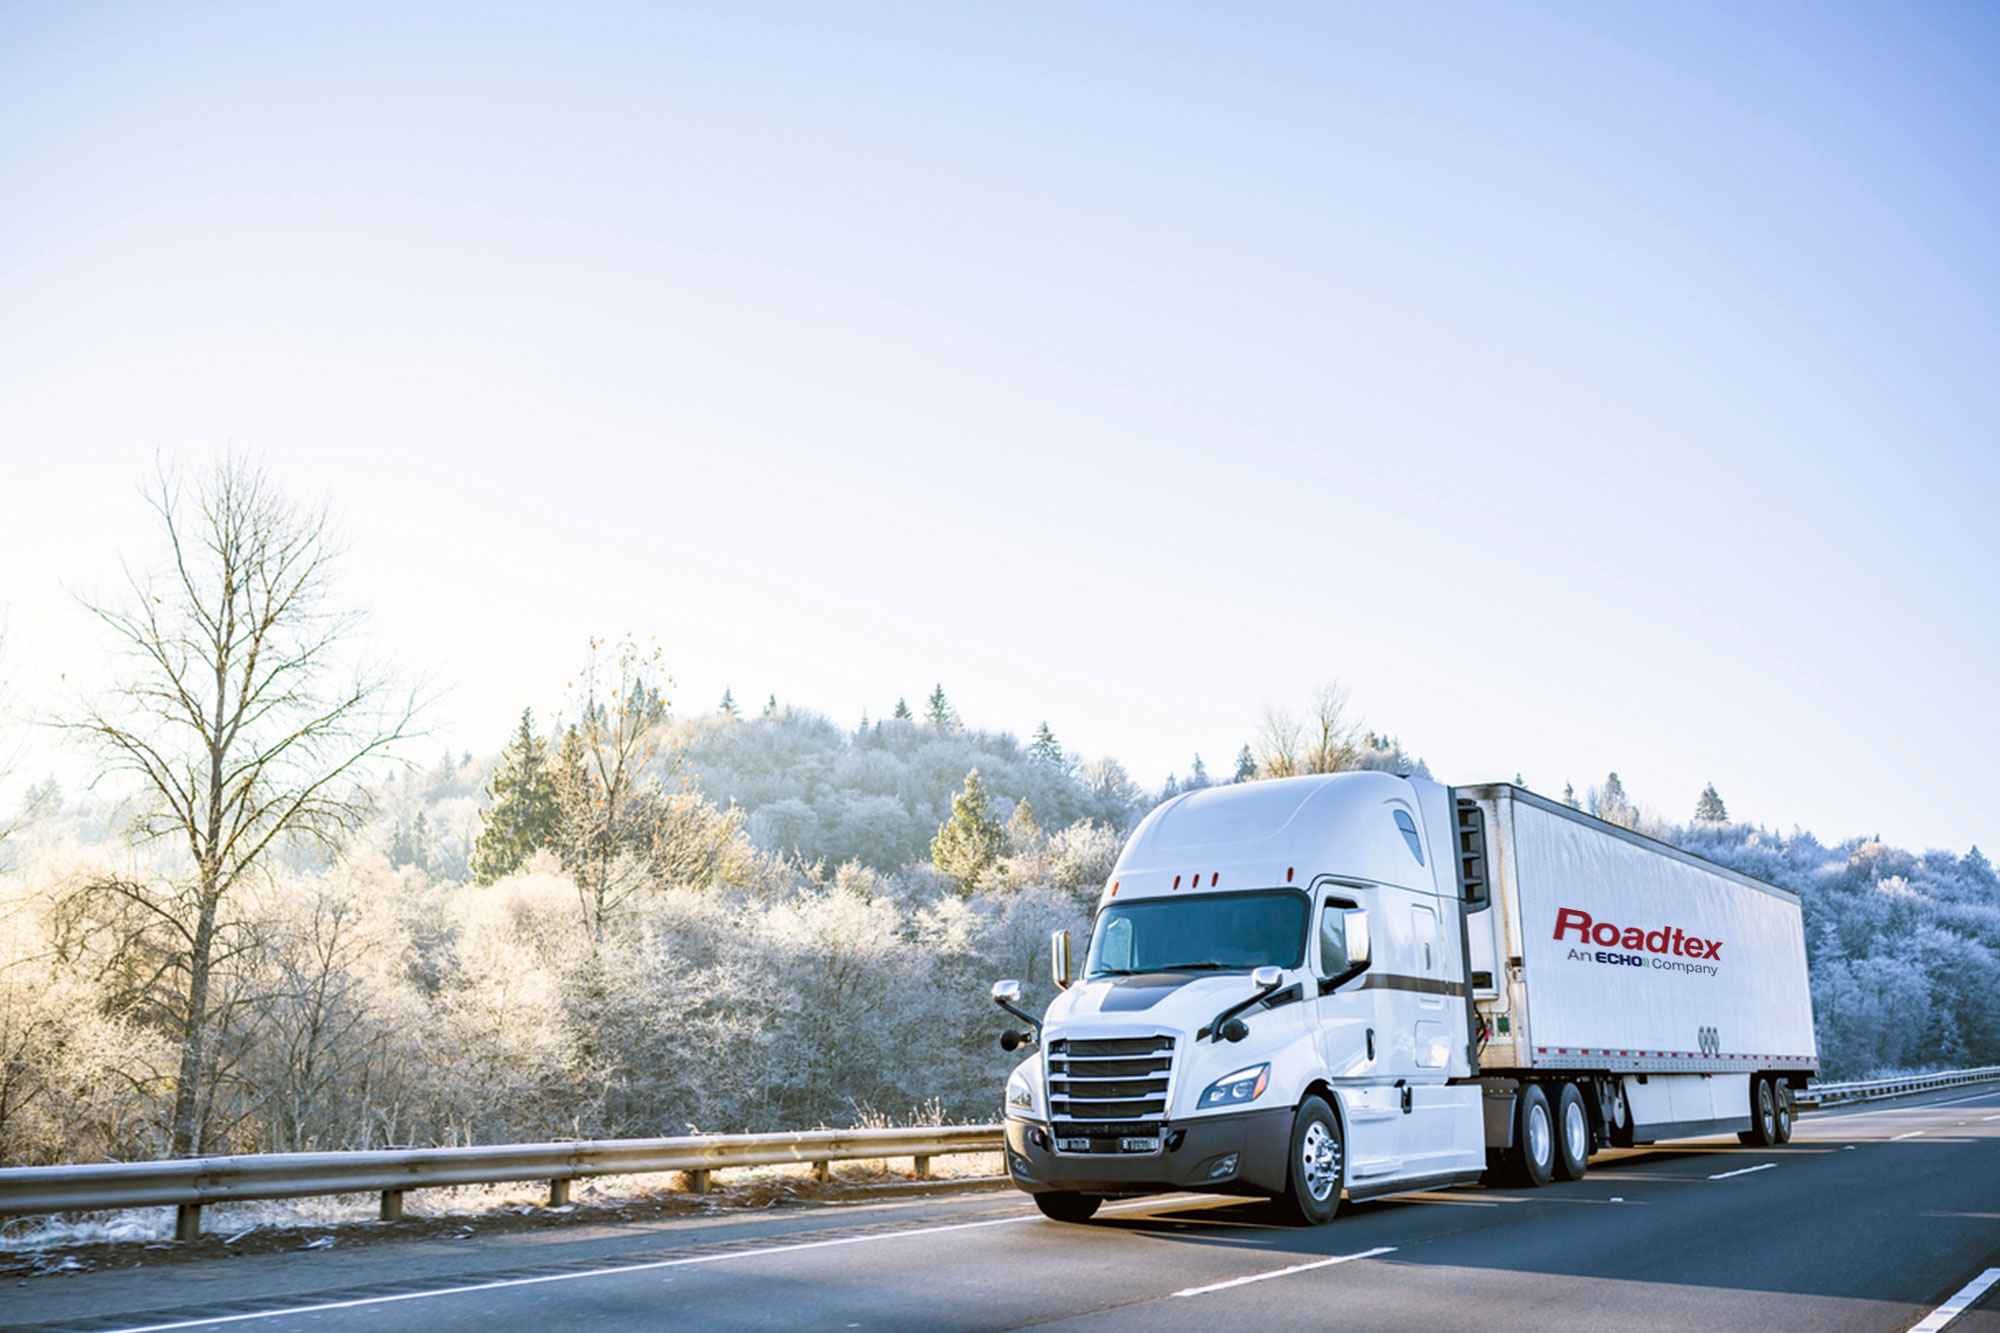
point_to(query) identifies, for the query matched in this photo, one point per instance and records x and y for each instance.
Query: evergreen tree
(1043, 746)
(1569, 796)
(1246, 765)
(1609, 803)
(1708, 809)
(967, 844)
(771, 706)
(902, 713)
(1023, 833)
(728, 708)
(1974, 864)
(939, 712)
(1198, 776)
(521, 809)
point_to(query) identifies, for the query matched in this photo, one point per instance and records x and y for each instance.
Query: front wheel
(1312, 1184)
(1067, 1205)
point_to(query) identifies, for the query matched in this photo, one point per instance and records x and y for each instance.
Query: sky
(1586, 389)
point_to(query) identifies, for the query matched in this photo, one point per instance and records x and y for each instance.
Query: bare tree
(236, 721)
(1332, 735)
(614, 805)
(1278, 743)
(1327, 741)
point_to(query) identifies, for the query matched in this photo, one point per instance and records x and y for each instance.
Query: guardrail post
(820, 1171)
(698, 1180)
(392, 1205)
(921, 1167)
(187, 1222)
(559, 1193)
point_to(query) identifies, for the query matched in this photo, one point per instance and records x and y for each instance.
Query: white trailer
(1368, 985)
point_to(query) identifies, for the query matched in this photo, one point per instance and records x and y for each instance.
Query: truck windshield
(1215, 933)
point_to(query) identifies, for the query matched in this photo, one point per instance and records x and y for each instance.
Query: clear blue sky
(1586, 387)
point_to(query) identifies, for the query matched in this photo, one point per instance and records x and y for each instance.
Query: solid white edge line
(1911, 1135)
(1285, 1272)
(1961, 1301)
(609, 1271)
(1742, 1171)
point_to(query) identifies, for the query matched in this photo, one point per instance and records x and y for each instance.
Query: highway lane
(1871, 1218)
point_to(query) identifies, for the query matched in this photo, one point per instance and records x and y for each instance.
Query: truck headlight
(1021, 1097)
(1245, 1085)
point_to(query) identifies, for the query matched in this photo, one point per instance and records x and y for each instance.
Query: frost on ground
(37, 1245)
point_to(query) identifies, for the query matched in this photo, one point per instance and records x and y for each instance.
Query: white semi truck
(1373, 985)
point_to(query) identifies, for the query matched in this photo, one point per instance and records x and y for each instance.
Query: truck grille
(1097, 1082)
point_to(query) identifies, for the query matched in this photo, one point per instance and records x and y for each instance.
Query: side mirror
(1007, 994)
(1267, 978)
(1356, 919)
(1059, 958)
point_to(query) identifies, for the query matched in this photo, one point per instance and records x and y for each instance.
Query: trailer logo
(1671, 941)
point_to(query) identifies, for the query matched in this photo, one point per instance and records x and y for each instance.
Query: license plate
(1139, 1145)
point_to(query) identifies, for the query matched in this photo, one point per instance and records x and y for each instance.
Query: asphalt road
(1870, 1219)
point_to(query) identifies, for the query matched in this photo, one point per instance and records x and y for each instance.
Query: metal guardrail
(1834, 1094)
(188, 1184)
(191, 1182)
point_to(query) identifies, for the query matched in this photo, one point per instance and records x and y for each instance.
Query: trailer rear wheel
(1763, 1131)
(1312, 1185)
(1534, 1148)
(1572, 1152)
(1067, 1205)
(1781, 1093)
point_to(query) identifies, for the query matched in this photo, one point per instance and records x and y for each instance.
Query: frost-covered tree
(939, 712)
(771, 706)
(1709, 809)
(1043, 746)
(235, 719)
(968, 843)
(1569, 796)
(1198, 777)
(522, 811)
(1610, 804)
(903, 713)
(728, 708)
(1022, 828)
(1246, 766)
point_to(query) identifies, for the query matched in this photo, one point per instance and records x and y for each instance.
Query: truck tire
(1572, 1155)
(1781, 1093)
(1534, 1150)
(1317, 1166)
(1763, 1131)
(1067, 1205)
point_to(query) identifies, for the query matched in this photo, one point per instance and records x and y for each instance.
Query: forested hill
(643, 924)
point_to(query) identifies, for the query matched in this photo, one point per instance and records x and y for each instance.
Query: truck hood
(1171, 1001)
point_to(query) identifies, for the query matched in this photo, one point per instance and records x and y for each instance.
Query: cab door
(1356, 1032)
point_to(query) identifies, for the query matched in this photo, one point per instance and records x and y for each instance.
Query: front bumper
(1194, 1155)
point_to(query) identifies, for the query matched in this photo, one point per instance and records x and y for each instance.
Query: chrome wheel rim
(1539, 1135)
(1767, 1114)
(1573, 1129)
(1319, 1161)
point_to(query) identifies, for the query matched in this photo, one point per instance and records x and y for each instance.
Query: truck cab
(1273, 1002)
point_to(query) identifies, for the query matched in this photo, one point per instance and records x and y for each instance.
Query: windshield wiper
(1197, 967)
